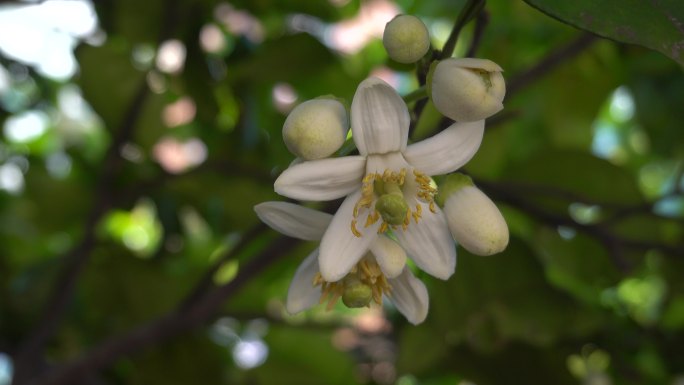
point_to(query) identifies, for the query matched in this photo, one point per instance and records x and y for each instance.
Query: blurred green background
(138, 135)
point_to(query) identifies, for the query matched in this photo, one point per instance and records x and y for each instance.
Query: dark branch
(29, 352)
(164, 327)
(548, 63)
(480, 24)
(76, 259)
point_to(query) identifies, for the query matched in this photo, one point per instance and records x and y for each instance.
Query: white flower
(474, 220)
(386, 171)
(467, 89)
(376, 272)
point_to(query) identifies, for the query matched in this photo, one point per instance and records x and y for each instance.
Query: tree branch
(470, 10)
(550, 62)
(54, 309)
(614, 243)
(183, 318)
(76, 258)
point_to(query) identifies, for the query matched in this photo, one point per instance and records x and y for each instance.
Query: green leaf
(653, 24)
(579, 173)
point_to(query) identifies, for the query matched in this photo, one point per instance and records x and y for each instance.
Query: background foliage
(131, 254)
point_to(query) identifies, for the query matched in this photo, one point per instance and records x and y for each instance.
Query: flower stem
(417, 94)
(469, 11)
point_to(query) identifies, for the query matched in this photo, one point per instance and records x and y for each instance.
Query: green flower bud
(467, 89)
(316, 128)
(356, 293)
(474, 220)
(406, 39)
(392, 208)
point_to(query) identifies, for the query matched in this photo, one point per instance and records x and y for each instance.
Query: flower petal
(410, 296)
(294, 220)
(302, 294)
(340, 248)
(448, 150)
(321, 180)
(429, 244)
(379, 118)
(389, 255)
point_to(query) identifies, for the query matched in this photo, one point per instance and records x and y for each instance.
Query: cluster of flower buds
(392, 210)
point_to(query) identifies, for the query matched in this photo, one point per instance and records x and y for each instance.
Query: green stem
(417, 94)
(469, 11)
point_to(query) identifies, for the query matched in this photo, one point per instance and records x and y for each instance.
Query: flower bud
(474, 220)
(467, 89)
(406, 39)
(316, 128)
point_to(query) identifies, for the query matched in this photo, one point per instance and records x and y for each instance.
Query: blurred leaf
(656, 25)
(578, 265)
(576, 172)
(175, 363)
(108, 79)
(289, 58)
(300, 356)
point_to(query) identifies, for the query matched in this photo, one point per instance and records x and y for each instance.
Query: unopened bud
(316, 128)
(467, 89)
(474, 220)
(406, 39)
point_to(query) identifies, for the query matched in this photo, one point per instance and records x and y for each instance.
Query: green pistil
(356, 293)
(391, 204)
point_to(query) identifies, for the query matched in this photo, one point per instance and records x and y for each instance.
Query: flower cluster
(392, 210)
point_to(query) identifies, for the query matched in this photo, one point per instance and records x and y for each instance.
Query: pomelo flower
(388, 186)
(373, 276)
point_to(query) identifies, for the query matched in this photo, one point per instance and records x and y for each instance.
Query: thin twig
(480, 24)
(614, 243)
(470, 10)
(549, 62)
(207, 280)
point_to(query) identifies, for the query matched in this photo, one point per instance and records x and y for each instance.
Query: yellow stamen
(354, 230)
(383, 228)
(367, 271)
(396, 180)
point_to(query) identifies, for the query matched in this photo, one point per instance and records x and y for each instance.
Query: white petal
(340, 248)
(390, 256)
(429, 244)
(321, 180)
(484, 64)
(448, 150)
(379, 118)
(410, 296)
(302, 294)
(393, 161)
(294, 220)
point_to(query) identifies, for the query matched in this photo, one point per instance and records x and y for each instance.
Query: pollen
(366, 273)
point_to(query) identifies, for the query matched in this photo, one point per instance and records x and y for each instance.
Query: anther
(354, 230)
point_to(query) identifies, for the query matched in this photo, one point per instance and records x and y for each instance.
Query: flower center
(364, 283)
(387, 191)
